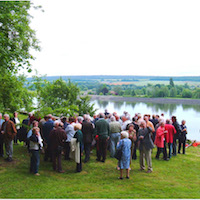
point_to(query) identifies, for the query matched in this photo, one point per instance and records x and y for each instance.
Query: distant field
(146, 82)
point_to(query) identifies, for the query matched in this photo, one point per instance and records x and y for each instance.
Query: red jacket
(171, 131)
(159, 140)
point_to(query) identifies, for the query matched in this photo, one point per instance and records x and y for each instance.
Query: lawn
(177, 178)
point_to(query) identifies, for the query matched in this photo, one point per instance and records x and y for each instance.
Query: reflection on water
(190, 113)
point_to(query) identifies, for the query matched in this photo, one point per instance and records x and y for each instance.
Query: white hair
(124, 134)
(112, 118)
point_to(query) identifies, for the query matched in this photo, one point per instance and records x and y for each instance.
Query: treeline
(150, 90)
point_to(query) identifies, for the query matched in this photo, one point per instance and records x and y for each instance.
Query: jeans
(174, 146)
(114, 139)
(9, 148)
(170, 149)
(35, 161)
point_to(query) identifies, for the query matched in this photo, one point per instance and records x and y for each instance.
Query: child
(124, 162)
(35, 146)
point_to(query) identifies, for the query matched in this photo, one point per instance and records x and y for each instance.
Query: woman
(132, 136)
(16, 121)
(79, 136)
(35, 146)
(124, 162)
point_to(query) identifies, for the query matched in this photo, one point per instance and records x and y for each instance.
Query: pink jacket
(159, 140)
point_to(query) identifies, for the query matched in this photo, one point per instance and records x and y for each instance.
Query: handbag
(118, 153)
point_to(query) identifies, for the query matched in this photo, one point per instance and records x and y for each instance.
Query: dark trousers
(163, 150)
(87, 147)
(179, 146)
(101, 153)
(134, 156)
(35, 161)
(1, 145)
(174, 146)
(16, 137)
(48, 153)
(56, 159)
(67, 150)
(79, 165)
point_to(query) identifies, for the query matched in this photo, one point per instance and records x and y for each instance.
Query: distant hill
(121, 78)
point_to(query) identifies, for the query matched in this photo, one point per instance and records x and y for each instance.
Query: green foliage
(16, 36)
(103, 88)
(12, 93)
(171, 82)
(186, 93)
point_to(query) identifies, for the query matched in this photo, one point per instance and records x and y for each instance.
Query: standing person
(79, 136)
(159, 141)
(182, 139)
(70, 134)
(16, 121)
(132, 136)
(1, 137)
(88, 131)
(57, 138)
(102, 130)
(145, 146)
(9, 131)
(124, 162)
(46, 129)
(35, 146)
(115, 129)
(169, 136)
(176, 136)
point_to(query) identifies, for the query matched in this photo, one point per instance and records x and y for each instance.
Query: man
(182, 138)
(57, 138)
(16, 121)
(1, 136)
(145, 146)
(46, 129)
(115, 130)
(88, 131)
(9, 132)
(70, 134)
(169, 137)
(176, 136)
(102, 131)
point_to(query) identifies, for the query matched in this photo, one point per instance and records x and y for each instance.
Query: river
(190, 113)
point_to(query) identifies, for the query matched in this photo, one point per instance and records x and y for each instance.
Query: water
(190, 113)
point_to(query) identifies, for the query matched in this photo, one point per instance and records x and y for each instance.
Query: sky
(117, 37)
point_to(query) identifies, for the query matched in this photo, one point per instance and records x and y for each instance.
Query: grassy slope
(178, 178)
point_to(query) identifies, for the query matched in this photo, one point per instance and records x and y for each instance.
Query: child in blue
(124, 162)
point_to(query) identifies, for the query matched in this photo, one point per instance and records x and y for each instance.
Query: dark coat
(46, 129)
(10, 131)
(57, 138)
(146, 141)
(88, 131)
(178, 130)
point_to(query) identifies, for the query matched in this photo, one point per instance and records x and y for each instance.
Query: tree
(16, 36)
(171, 82)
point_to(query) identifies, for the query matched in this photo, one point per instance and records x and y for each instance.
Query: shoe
(120, 178)
(166, 159)
(127, 177)
(179, 153)
(149, 171)
(141, 169)
(37, 174)
(9, 159)
(103, 161)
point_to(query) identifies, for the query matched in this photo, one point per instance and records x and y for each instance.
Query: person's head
(117, 117)
(146, 119)
(56, 124)
(162, 123)
(143, 124)
(77, 127)
(49, 116)
(112, 119)
(139, 116)
(130, 127)
(35, 130)
(124, 134)
(173, 119)
(157, 116)
(6, 117)
(71, 120)
(35, 123)
(123, 118)
(63, 119)
(183, 122)
(162, 114)
(15, 114)
(101, 115)
(80, 119)
(167, 121)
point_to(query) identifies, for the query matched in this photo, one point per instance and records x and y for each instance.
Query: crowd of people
(70, 138)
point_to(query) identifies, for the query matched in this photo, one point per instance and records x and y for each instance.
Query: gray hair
(80, 119)
(6, 115)
(124, 134)
(112, 118)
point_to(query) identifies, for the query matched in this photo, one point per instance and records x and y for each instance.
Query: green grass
(178, 178)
